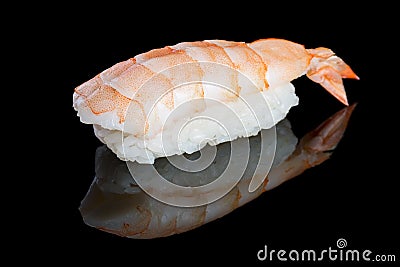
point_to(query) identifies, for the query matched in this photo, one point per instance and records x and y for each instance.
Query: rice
(114, 176)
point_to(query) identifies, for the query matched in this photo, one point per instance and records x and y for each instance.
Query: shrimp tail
(328, 70)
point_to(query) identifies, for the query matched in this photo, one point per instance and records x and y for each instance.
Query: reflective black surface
(354, 195)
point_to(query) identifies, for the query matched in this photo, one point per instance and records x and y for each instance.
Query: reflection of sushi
(117, 205)
(177, 99)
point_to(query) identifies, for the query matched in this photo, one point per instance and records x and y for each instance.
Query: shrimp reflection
(115, 204)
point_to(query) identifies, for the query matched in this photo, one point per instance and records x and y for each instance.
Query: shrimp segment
(115, 205)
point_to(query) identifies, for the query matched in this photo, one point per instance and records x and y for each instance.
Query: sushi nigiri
(177, 99)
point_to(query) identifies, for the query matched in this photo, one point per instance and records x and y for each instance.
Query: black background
(353, 195)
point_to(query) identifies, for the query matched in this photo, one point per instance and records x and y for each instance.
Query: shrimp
(115, 204)
(143, 98)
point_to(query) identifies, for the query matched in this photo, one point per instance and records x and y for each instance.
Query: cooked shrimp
(115, 204)
(136, 98)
